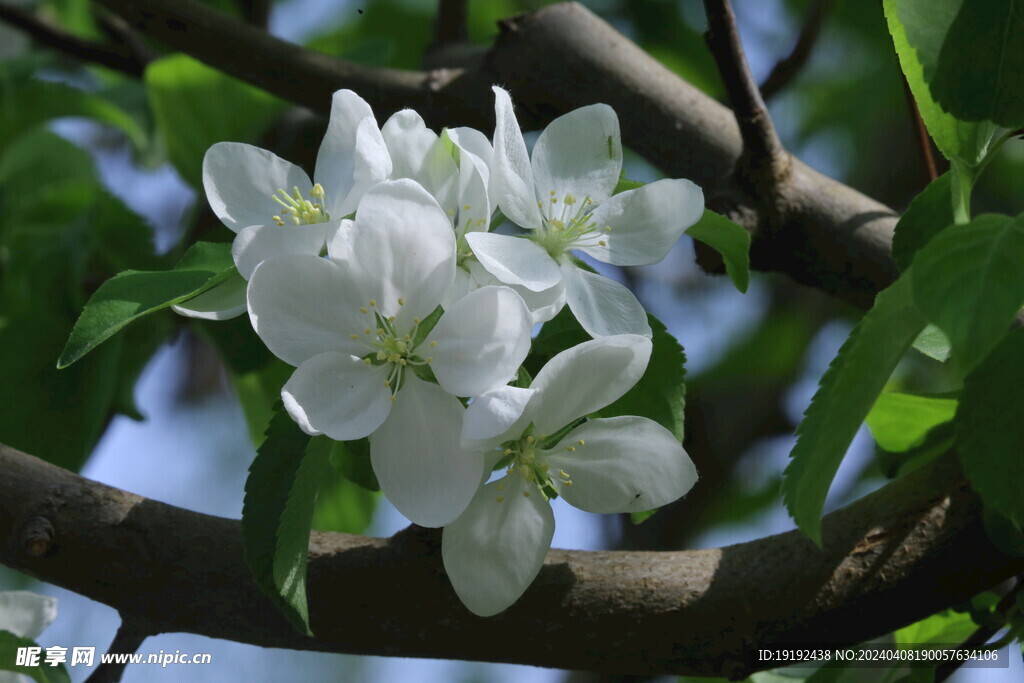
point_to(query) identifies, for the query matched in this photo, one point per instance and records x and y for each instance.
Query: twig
(983, 634)
(114, 57)
(130, 636)
(120, 33)
(256, 12)
(787, 68)
(764, 158)
(924, 142)
(451, 26)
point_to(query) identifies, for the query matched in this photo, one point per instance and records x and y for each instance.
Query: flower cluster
(408, 319)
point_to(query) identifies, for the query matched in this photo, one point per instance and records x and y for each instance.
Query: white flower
(564, 196)
(353, 325)
(276, 209)
(26, 614)
(495, 549)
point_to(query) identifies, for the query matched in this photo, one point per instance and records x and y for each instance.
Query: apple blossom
(273, 205)
(495, 549)
(357, 327)
(563, 196)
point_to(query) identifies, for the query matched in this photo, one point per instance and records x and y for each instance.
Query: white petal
(408, 140)
(481, 341)
(543, 306)
(511, 186)
(339, 243)
(255, 244)
(352, 156)
(419, 154)
(603, 306)
(302, 306)
(473, 202)
(26, 614)
(585, 378)
(241, 179)
(372, 166)
(494, 551)
(626, 464)
(417, 459)
(645, 222)
(338, 395)
(402, 247)
(221, 302)
(495, 417)
(515, 260)
(474, 143)
(462, 285)
(579, 153)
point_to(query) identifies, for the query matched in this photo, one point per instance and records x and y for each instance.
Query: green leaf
(728, 239)
(946, 627)
(196, 106)
(134, 293)
(956, 139)
(42, 673)
(972, 54)
(928, 214)
(969, 281)
(900, 422)
(660, 394)
(641, 517)
(847, 391)
(352, 460)
(26, 103)
(989, 430)
(933, 343)
(343, 506)
(277, 513)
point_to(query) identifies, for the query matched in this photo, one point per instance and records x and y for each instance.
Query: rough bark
(889, 559)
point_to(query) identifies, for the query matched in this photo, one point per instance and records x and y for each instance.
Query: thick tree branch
(789, 67)
(889, 559)
(820, 232)
(119, 57)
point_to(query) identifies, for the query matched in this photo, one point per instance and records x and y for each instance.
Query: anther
(373, 303)
(363, 309)
(430, 359)
(500, 499)
(433, 344)
(415, 321)
(530, 439)
(526, 494)
(401, 301)
(582, 442)
(392, 397)
(367, 361)
(353, 336)
(563, 474)
(570, 448)
(602, 243)
(467, 207)
(366, 330)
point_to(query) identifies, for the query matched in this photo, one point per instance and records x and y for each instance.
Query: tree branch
(117, 57)
(820, 232)
(789, 67)
(451, 25)
(889, 559)
(764, 160)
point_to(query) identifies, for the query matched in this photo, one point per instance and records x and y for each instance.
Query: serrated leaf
(196, 106)
(989, 429)
(730, 240)
(956, 139)
(42, 673)
(972, 54)
(845, 395)
(969, 281)
(344, 506)
(132, 294)
(277, 513)
(929, 213)
(900, 422)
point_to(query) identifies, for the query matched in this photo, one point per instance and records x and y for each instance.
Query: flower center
(566, 225)
(390, 346)
(526, 458)
(299, 210)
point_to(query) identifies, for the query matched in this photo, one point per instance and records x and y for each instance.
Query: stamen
(401, 301)
(363, 309)
(500, 499)
(570, 448)
(526, 494)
